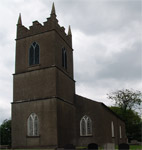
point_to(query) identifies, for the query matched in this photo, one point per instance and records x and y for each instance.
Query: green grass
(132, 147)
(136, 147)
(27, 149)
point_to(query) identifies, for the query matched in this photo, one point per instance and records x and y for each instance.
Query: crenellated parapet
(38, 28)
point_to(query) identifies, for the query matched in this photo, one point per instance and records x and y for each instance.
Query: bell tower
(45, 53)
(44, 85)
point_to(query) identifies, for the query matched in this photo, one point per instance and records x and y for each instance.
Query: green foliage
(136, 147)
(126, 99)
(132, 121)
(5, 132)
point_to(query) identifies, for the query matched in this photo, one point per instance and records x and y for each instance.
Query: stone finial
(70, 36)
(19, 20)
(53, 12)
(69, 31)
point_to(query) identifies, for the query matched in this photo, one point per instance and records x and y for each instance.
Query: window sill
(86, 135)
(65, 69)
(30, 66)
(33, 136)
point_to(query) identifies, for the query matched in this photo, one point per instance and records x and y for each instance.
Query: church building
(46, 111)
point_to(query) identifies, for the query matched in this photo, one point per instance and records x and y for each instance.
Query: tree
(133, 122)
(5, 132)
(126, 99)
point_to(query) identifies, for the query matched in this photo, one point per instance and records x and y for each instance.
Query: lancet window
(112, 128)
(33, 125)
(120, 132)
(64, 58)
(85, 126)
(34, 54)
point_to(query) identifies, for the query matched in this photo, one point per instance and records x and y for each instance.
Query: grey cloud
(126, 66)
(5, 114)
(97, 16)
(91, 17)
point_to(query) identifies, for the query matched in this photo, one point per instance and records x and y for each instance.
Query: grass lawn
(132, 147)
(27, 149)
(136, 147)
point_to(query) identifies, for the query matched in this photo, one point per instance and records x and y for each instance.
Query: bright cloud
(106, 42)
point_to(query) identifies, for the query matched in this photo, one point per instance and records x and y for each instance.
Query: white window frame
(33, 125)
(87, 126)
(112, 129)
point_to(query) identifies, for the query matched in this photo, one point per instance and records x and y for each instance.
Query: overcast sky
(106, 41)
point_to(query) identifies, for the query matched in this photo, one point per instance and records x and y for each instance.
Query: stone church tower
(46, 111)
(44, 85)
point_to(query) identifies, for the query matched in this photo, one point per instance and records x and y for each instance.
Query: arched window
(33, 125)
(34, 54)
(112, 128)
(85, 126)
(120, 132)
(64, 58)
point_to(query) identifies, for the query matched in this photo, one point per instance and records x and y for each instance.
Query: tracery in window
(34, 54)
(85, 126)
(64, 58)
(33, 125)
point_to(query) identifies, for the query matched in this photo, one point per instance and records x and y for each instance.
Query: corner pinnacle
(69, 31)
(19, 20)
(53, 12)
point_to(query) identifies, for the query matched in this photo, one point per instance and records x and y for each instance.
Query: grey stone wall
(46, 110)
(101, 118)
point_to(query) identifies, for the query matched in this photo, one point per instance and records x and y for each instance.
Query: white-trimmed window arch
(85, 126)
(33, 125)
